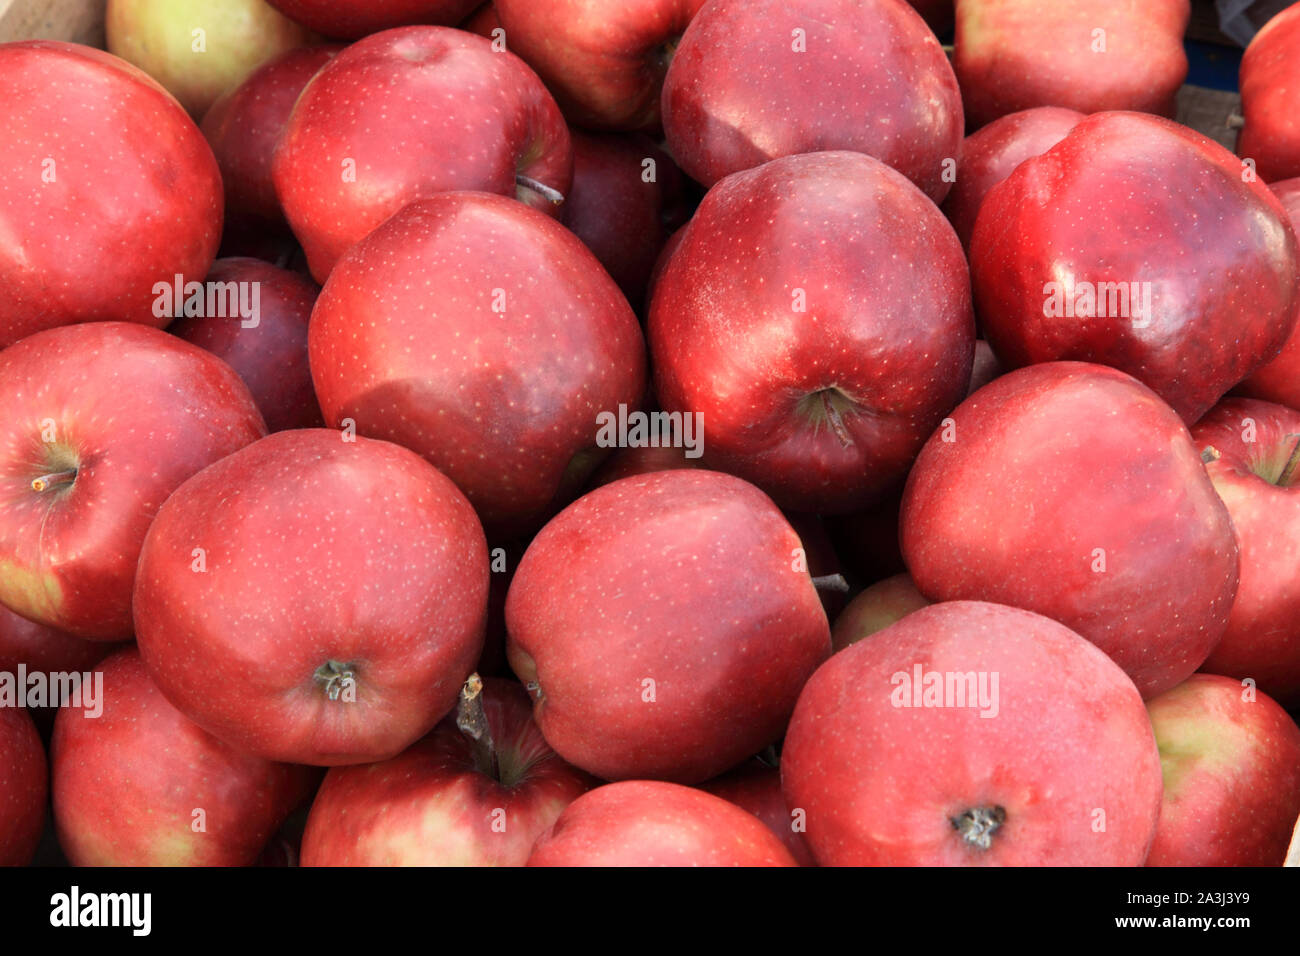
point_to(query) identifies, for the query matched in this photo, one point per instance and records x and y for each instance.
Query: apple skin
(756, 788)
(45, 649)
(243, 128)
(1278, 380)
(1071, 212)
(991, 154)
(110, 131)
(874, 609)
(302, 532)
(1262, 641)
(622, 219)
(133, 412)
(239, 36)
(1231, 775)
(24, 783)
(1014, 55)
(738, 95)
(504, 404)
(1073, 491)
(418, 111)
(731, 634)
(882, 785)
(652, 823)
(435, 805)
(126, 783)
(604, 61)
(355, 19)
(1270, 98)
(271, 358)
(760, 371)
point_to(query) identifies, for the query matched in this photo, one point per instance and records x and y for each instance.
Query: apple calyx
(829, 406)
(978, 825)
(553, 196)
(1209, 454)
(472, 721)
(335, 677)
(831, 582)
(55, 479)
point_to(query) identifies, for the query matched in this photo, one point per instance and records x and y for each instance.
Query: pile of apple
(1034, 392)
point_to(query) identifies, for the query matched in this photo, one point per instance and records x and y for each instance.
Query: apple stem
(472, 721)
(831, 582)
(836, 420)
(1288, 472)
(335, 677)
(56, 478)
(978, 825)
(543, 190)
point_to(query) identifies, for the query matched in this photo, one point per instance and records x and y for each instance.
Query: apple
(1072, 490)
(108, 189)
(619, 215)
(817, 314)
(243, 128)
(1067, 265)
(199, 49)
(991, 154)
(652, 823)
(1253, 449)
(271, 355)
(753, 80)
(1231, 763)
(641, 460)
(315, 598)
(1270, 98)
(524, 342)
(1086, 55)
(973, 734)
(664, 624)
(44, 649)
(407, 114)
(755, 786)
(604, 61)
(354, 19)
(141, 785)
(1278, 380)
(874, 609)
(102, 422)
(478, 791)
(23, 787)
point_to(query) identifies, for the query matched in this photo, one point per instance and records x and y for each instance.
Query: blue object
(1212, 66)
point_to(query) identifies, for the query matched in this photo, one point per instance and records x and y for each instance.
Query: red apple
(1279, 379)
(884, 603)
(604, 61)
(755, 786)
(108, 189)
(524, 341)
(1231, 761)
(756, 79)
(779, 319)
(24, 783)
(903, 750)
(990, 155)
(478, 791)
(1253, 449)
(102, 422)
(665, 625)
(620, 216)
(353, 19)
(316, 598)
(1071, 490)
(44, 649)
(1066, 264)
(270, 355)
(1270, 98)
(140, 785)
(1087, 55)
(243, 128)
(641, 460)
(650, 823)
(404, 115)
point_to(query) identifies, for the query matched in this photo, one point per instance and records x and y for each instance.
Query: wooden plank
(1210, 112)
(81, 21)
